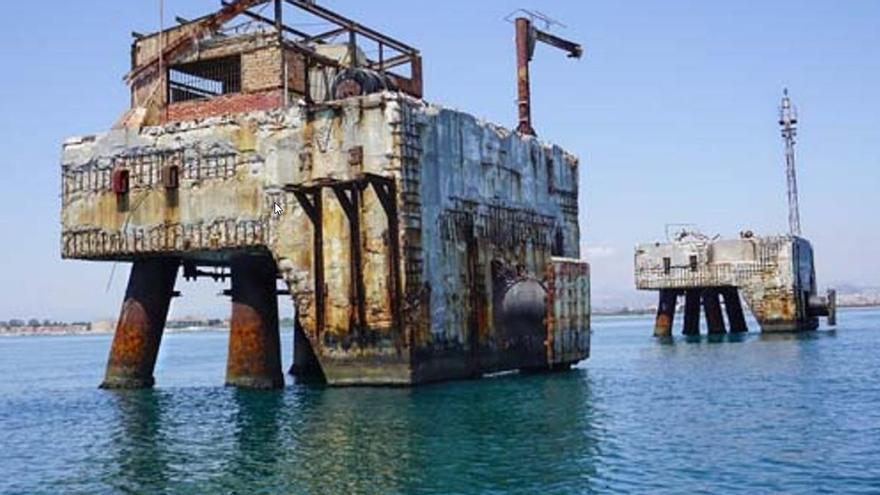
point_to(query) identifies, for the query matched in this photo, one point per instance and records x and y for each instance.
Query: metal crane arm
(574, 50)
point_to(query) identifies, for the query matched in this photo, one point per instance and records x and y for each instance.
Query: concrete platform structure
(775, 276)
(417, 243)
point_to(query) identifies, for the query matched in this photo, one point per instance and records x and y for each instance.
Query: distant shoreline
(39, 332)
(83, 329)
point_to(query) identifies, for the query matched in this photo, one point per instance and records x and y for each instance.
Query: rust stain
(245, 136)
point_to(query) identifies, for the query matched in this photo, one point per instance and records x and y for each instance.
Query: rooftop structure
(416, 243)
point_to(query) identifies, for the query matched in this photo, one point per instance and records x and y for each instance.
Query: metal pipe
(254, 359)
(279, 31)
(329, 15)
(141, 323)
(523, 56)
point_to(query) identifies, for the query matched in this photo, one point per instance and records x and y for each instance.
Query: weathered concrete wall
(775, 274)
(415, 239)
(495, 202)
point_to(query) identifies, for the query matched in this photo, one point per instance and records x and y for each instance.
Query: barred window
(204, 79)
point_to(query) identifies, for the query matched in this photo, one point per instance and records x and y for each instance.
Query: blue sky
(672, 111)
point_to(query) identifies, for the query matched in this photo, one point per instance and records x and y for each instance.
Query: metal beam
(319, 38)
(349, 24)
(574, 50)
(270, 22)
(392, 62)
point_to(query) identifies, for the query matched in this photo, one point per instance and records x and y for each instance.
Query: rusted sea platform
(417, 243)
(775, 276)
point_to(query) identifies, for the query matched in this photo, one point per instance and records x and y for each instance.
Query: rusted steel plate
(568, 311)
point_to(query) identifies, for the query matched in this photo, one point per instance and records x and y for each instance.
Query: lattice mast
(788, 121)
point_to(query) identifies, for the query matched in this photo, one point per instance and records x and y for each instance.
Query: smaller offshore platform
(417, 243)
(774, 275)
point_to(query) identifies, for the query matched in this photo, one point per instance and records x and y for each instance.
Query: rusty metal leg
(665, 313)
(735, 316)
(691, 312)
(351, 204)
(712, 307)
(141, 322)
(305, 362)
(254, 359)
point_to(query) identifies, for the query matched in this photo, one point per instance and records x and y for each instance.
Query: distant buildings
(34, 326)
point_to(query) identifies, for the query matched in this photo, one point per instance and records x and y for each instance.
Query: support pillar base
(254, 359)
(712, 307)
(691, 312)
(141, 324)
(305, 363)
(735, 316)
(122, 383)
(665, 313)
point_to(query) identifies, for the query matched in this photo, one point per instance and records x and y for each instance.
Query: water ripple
(755, 414)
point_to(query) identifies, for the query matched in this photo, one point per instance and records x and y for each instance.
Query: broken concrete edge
(128, 138)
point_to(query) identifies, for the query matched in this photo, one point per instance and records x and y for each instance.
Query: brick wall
(261, 69)
(225, 104)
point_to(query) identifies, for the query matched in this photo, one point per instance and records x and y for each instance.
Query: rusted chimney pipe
(523, 56)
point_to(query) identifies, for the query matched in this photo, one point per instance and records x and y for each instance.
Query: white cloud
(599, 251)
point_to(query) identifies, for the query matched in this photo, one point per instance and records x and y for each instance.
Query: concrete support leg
(735, 316)
(305, 363)
(692, 312)
(141, 323)
(254, 359)
(712, 307)
(665, 313)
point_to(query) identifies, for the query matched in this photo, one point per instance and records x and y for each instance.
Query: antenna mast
(788, 121)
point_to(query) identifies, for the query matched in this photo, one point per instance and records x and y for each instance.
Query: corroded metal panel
(568, 311)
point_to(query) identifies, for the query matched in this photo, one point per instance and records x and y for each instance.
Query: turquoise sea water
(757, 414)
